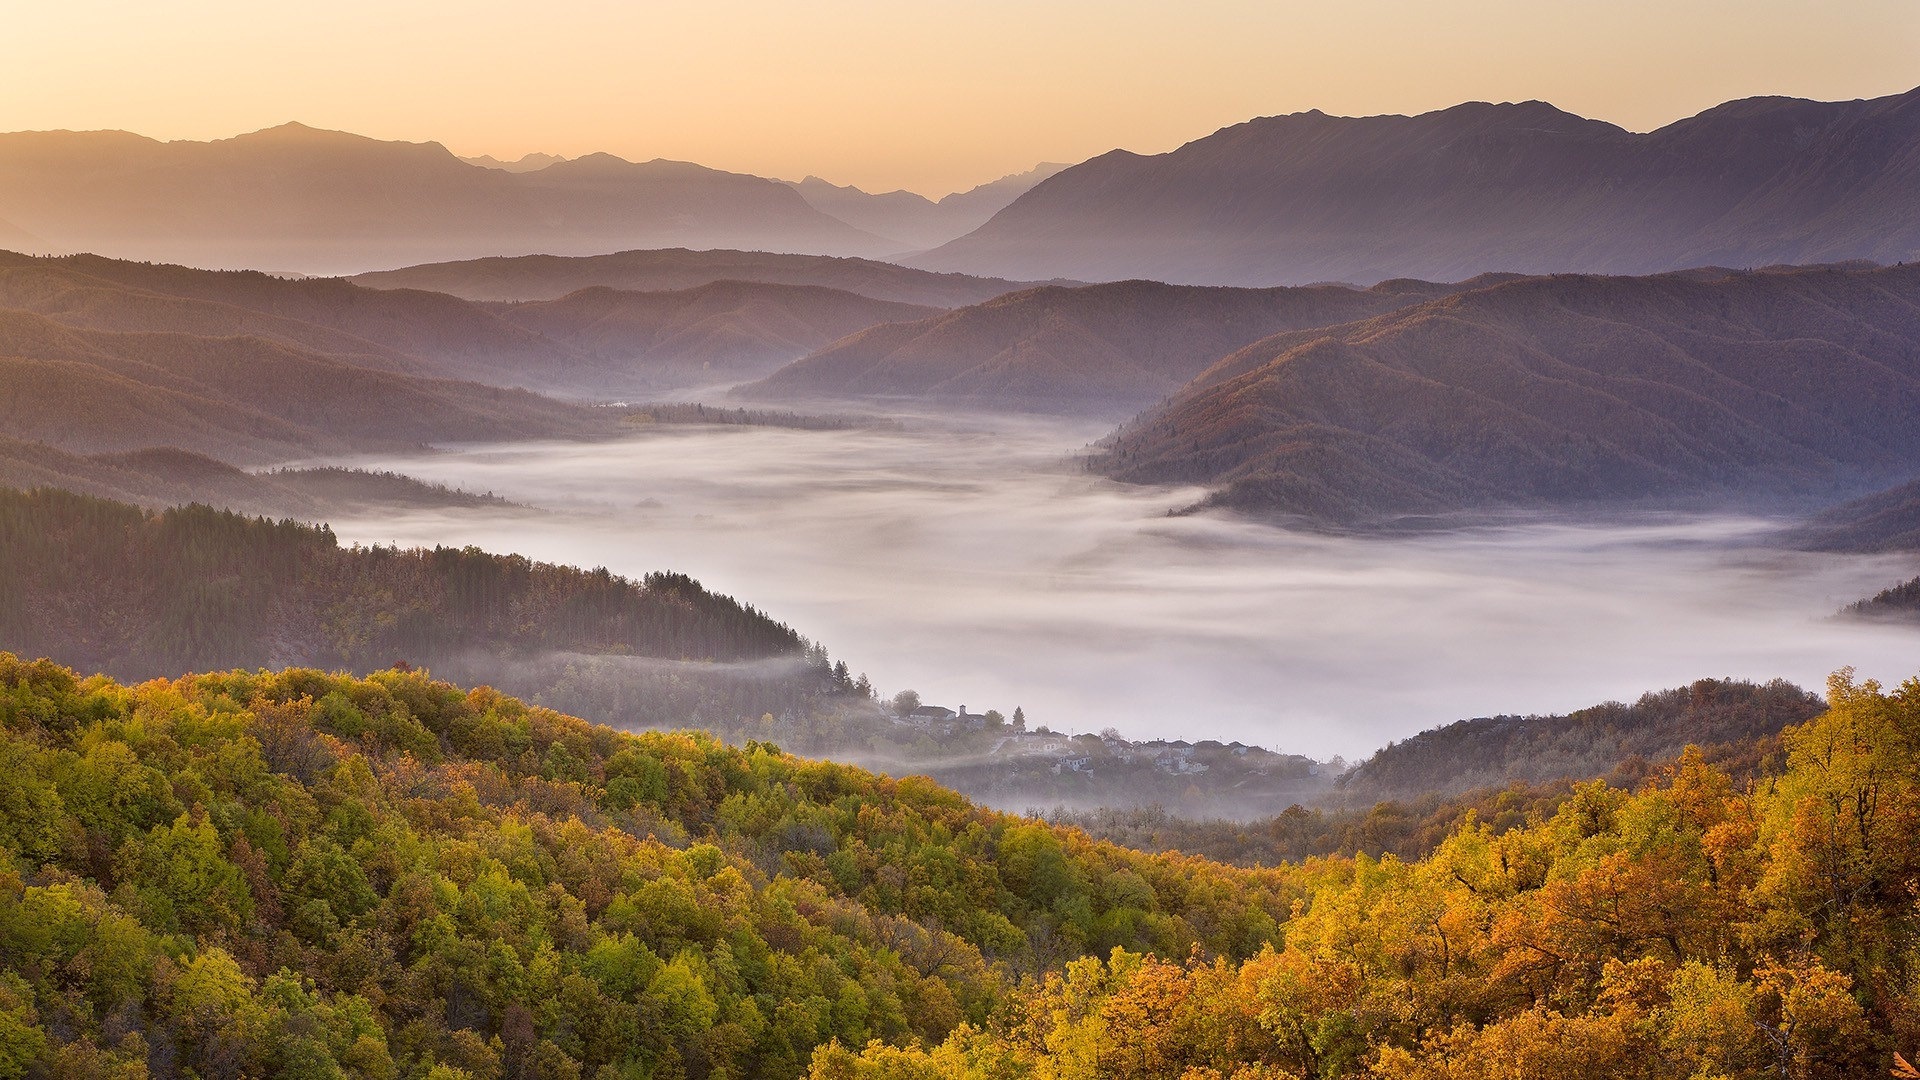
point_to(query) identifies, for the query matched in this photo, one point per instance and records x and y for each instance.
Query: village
(1085, 753)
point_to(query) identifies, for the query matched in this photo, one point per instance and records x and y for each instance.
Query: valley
(1426, 596)
(970, 559)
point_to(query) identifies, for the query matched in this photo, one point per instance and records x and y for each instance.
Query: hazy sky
(926, 95)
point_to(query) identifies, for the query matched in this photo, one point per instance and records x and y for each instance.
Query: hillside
(169, 476)
(1896, 603)
(410, 331)
(721, 332)
(1883, 521)
(1689, 929)
(260, 874)
(241, 399)
(1569, 392)
(142, 593)
(1496, 751)
(549, 277)
(1093, 350)
(1477, 187)
(297, 198)
(298, 872)
(593, 343)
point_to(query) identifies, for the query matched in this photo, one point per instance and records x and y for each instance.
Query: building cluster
(1082, 753)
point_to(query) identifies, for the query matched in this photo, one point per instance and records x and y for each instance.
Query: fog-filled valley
(972, 560)
(1425, 596)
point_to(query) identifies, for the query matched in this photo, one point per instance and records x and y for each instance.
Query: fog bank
(975, 563)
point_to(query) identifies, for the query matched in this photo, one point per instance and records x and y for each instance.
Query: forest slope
(1445, 195)
(1883, 521)
(1096, 349)
(139, 594)
(1716, 715)
(260, 874)
(1680, 389)
(1693, 928)
(274, 874)
(169, 476)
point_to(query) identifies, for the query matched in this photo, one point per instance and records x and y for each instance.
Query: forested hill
(1728, 716)
(110, 587)
(1698, 388)
(302, 874)
(286, 874)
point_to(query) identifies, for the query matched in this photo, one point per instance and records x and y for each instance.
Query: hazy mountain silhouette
(1100, 349)
(243, 399)
(409, 331)
(1477, 187)
(595, 343)
(297, 198)
(721, 331)
(525, 163)
(916, 221)
(549, 277)
(1569, 391)
(1883, 521)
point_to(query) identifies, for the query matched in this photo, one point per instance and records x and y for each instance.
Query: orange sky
(930, 96)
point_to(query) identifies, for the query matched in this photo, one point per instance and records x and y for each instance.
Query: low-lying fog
(978, 565)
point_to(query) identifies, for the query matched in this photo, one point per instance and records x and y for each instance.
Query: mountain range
(720, 332)
(1108, 349)
(298, 198)
(151, 382)
(1563, 391)
(549, 277)
(1294, 199)
(1478, 187)
(594, 343)
(913, 220)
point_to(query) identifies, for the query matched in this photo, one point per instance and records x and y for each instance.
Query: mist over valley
(974, 560)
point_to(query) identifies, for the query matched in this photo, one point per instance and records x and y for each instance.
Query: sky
(929, 96)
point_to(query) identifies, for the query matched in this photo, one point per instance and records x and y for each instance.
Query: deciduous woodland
(307, 874)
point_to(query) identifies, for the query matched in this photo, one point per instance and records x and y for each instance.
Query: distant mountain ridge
(1445, 195)
(549, 277)
(723, 331)
(916, 221)
(298, 198)
(1560, 392)
(592, 346)
(1108, 349)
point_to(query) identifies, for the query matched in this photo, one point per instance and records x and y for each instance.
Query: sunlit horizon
(928, 98)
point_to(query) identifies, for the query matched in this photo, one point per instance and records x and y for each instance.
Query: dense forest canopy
(136, 593)
(307, 874)
(1722, 716)
(1694, 928)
